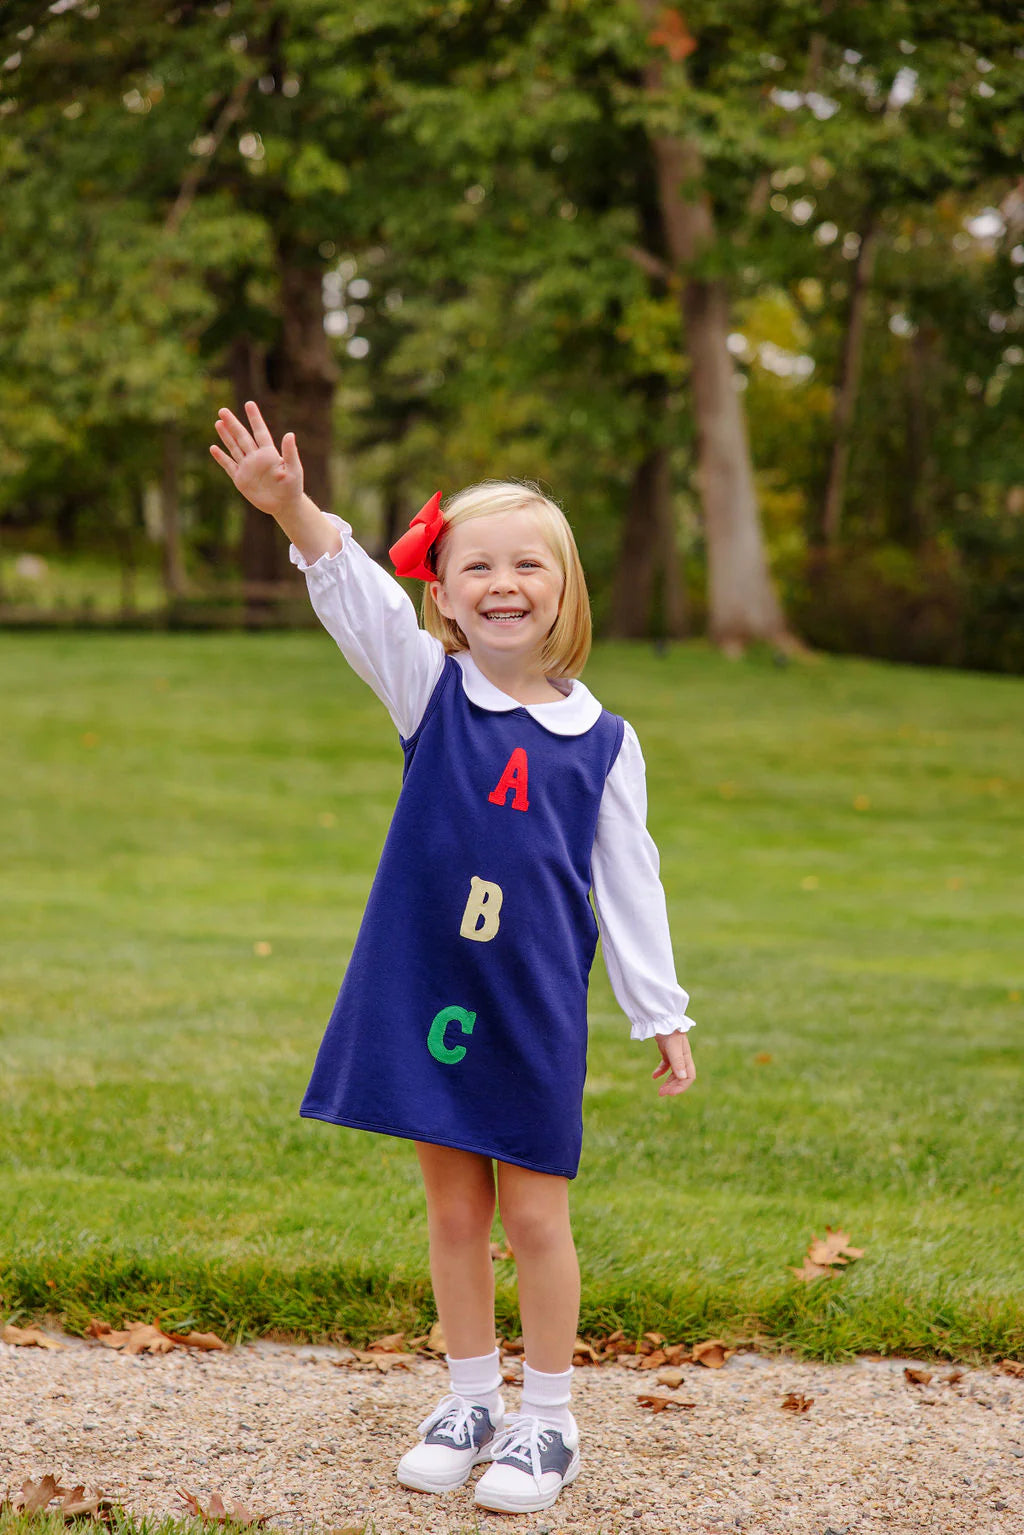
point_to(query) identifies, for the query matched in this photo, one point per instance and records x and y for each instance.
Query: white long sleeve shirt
(374, 624)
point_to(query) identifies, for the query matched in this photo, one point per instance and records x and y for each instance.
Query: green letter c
(449, 1055)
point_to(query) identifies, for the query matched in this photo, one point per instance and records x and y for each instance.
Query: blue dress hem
(326, 1117)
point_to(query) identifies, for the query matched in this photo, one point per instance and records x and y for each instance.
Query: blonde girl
(461, 1020)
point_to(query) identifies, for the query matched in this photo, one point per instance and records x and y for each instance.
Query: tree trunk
(126, 548)
(742, 604)
(175, 580)
(294, 387)
(920, 466)
(647, 596)
(846, 389)
(302, 372)
(264, 553)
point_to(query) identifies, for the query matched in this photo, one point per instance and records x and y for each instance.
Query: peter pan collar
(570, 716)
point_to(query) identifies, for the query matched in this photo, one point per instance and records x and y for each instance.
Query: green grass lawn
(190, 827)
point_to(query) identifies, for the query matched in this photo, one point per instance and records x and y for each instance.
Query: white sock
(547, 1397)
(479, 1381)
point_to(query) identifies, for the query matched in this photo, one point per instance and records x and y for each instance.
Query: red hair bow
(409, 554)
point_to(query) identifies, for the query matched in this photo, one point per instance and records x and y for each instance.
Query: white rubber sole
(421, 1481)
(508, 1503)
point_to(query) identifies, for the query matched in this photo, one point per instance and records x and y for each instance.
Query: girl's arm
(630, 902)
(365, 610)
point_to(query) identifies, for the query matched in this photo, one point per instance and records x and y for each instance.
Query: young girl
(461, 1023)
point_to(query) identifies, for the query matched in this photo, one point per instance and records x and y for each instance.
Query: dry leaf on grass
(29, 1337)
(661, 1403)
(391, 1343)
(208, 1342)
(916, 1377)
(834, 1249)
(824, 1255)
(219, 1511)
(670, 1376)
(1011, 1367)
(79, 1504)
(585, 1353)
(373, 1359)
(654, 1360)
(713, 1353)
(149, 1338)
(75, 1503)
(436, 1341)
(797, 1402)
(33, 1496)
(811, 1271)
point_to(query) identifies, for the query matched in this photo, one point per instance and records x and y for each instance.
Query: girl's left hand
(677, 1059)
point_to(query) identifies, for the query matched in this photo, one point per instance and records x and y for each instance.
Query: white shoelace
(454, 1413)
(522, 1438)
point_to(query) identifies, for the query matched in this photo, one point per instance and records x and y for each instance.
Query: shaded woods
(744, 292)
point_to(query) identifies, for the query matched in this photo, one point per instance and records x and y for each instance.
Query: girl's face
(502, 584)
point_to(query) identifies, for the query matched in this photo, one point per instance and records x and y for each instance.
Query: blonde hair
(567, 646)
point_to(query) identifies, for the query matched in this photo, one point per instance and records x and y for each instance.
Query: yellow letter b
(480, 918)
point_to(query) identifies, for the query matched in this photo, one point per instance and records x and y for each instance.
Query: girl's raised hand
(271, 480)
(676, 1059)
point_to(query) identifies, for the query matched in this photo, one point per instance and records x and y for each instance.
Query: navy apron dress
(462, 1017)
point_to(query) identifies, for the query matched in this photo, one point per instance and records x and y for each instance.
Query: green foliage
(486, 171)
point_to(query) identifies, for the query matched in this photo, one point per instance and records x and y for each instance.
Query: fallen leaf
(660, 1403)
(207, 1341)
(677, 1353)
(713, 1353)
(512, 1376)
(670, 1377)
(391, 1343)
(654, 1361)
(917, 1377)
(834, 1249)
(630, 1361)
(585, 1353)
(1011, 1367)
(373, 1359)
(221, 1511)
(436, 1339)
(79, 1504)
(797, 1402)
(656, 1339)
(952, 1378)
(811, 1271)
(137, 1338)
(33, 1496)
(29, 1337)
(513, 1346)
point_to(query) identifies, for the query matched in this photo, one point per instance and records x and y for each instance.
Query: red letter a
(516, 777)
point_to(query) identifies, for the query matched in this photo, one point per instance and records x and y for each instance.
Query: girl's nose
(503, 581)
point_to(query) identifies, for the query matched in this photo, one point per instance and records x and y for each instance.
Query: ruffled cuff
(299, 560)
(646, 1028)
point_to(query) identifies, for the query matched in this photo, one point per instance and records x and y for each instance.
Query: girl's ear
(440, 597)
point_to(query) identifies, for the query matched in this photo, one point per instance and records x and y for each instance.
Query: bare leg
(459, 1187)
(535, 1215)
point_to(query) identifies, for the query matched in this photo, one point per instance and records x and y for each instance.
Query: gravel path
(292, 1434)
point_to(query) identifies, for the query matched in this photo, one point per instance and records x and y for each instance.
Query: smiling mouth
(505, 618)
